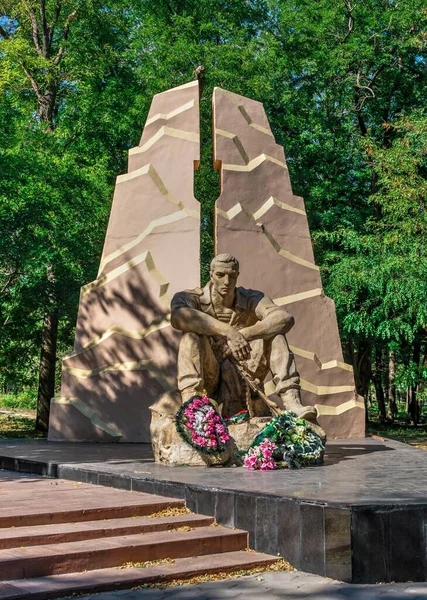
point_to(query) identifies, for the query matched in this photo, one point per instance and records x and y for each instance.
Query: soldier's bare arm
(190, 320)
(273, 320)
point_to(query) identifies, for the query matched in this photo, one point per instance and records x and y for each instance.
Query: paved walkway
(274, 586)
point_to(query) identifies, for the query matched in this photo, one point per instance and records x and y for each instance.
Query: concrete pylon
(125, 349)
(260, 221)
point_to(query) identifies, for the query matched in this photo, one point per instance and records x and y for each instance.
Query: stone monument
(258, 216)
(232, 338)
(125, 351)
(225, 326)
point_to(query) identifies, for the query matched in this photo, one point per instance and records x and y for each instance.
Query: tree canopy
(344, 87)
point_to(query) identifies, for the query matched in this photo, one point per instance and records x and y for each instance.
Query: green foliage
(380, 280)
(399, 430)
(25, 400)
(344, 87)
(57, 174)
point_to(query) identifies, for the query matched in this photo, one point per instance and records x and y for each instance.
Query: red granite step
(57, 586)
(70, 532)
(58, 538)
(84, 507)
(36, 561)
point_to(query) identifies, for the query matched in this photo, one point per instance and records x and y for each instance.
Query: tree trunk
(413, 404)
(379, 390)
(392, 404)
(47, 106)
(361, 355)
(46, 389)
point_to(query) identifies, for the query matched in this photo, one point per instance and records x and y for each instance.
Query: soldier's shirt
(249, 306)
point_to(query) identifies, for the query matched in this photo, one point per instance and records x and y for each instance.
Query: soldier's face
(224, 279)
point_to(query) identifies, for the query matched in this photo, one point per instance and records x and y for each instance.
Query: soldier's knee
(189, 340)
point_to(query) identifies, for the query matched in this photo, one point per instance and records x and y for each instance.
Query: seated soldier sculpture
(229, 331)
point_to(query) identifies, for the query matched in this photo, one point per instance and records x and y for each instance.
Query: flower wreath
(199, 424)
(286, 441)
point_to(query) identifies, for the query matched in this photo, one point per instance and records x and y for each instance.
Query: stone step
(50, 559)
(102, 580)
(37, 535)
(85, 507)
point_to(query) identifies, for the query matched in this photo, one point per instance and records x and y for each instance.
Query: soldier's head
(224, 273)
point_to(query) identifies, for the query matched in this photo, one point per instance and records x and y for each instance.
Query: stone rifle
(247, 377)
(273, 407)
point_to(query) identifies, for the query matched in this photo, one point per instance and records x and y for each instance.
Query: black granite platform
(361, 517)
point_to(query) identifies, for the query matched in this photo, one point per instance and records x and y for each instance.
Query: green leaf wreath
(295, 443)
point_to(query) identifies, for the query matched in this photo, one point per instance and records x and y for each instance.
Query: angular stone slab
(261, 222)
(125, 349)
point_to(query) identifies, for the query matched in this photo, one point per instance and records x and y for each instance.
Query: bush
(25, 400)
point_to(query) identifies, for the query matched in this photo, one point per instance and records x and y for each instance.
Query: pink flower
(251, 461)
(267, 445)
(205, 425)
(197, 403)
(268, 465)
(261, 457)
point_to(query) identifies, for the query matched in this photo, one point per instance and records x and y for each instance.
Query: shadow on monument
(125, 357)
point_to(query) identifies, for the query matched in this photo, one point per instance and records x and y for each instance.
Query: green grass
(19, 417)
(17, 426)
(25, 400)
(400, 430)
